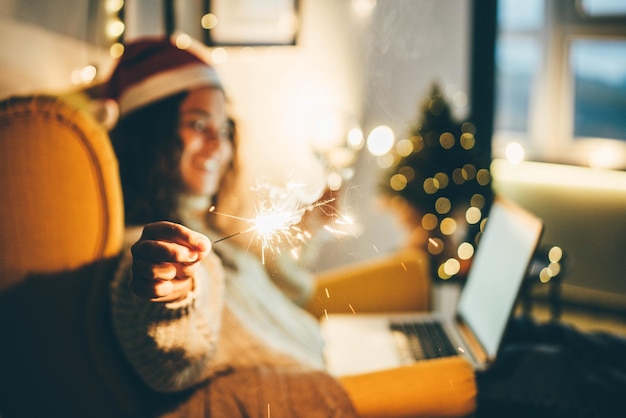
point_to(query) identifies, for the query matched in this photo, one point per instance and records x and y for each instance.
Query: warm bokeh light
(545, 275)
(606, 155)
(115, 28)
(84, 75)
(113, 6)
(465, 251)
(116, 50)
(483, 177)
(514, 152)
(446, 140)
(473, 215)
(555, 254)
(219, 55)
(429, 221)
(398, 182)
(467, 140)
(443, 205)
(468, 172)
(385, 161)
(442, 180)
(442, 273)
(451, 266)
(478, 200)
(435, 246)
(208, 21)
(404, 147)
(555, 269)
(355, 138)
(183, 41)
(431, 185)
(380, 140)
(334, 181)
(457, 176)
(340, 157)
(448, 226)
(407, 172)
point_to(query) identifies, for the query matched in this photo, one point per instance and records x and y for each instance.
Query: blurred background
(331, 90)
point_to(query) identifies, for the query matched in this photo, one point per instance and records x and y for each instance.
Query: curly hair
(149, 149)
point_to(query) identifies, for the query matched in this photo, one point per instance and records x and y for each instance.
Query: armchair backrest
(62, 205)
(61, 229)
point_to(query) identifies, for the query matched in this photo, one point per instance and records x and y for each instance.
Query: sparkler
(279, 210)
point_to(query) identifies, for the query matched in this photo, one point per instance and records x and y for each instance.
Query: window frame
(550, 124)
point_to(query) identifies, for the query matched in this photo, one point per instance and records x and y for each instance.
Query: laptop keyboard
(423, 340)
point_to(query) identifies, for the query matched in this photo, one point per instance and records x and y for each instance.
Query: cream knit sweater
(233, 319)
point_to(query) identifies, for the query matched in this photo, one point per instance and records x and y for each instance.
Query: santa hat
(152, 69)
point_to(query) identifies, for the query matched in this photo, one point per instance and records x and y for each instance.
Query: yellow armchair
(61, 227)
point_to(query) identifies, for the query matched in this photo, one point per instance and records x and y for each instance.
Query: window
(560, 81)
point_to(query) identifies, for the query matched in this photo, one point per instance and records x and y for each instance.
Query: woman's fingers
(159, 251)
(162, 271)
(178, 234)
(165, 260)
(161, 290)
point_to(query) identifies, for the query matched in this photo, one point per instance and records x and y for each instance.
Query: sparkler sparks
(433, 242)
(279, 210)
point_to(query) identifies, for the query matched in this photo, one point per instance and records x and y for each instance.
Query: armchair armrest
(444, 387)
(390, 283)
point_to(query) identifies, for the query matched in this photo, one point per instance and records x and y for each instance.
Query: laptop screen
(498, 268)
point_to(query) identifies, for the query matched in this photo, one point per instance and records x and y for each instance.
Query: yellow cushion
(394, 282)
(443, 387)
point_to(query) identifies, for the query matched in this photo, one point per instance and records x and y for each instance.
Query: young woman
(183, 311)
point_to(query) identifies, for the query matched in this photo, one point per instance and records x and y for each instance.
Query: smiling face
(207, 148)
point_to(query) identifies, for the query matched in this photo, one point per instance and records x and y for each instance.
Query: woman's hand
(165, 260)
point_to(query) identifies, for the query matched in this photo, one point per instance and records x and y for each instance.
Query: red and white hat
(152, 69)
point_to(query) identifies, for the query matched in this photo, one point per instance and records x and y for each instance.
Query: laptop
(359, 343)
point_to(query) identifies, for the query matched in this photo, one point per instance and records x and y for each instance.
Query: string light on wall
(106, 31)
(115, 26)
(208, 21)
(84, 75)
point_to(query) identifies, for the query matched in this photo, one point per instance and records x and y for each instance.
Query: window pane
(599, 69)
(517, 64)
(520, 15)
(603, 7)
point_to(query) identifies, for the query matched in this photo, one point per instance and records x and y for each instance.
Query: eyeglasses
(202, 127)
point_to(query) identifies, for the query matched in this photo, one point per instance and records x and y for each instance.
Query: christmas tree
(441, 178)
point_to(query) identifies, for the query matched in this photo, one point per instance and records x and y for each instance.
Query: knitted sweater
(235, 318)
